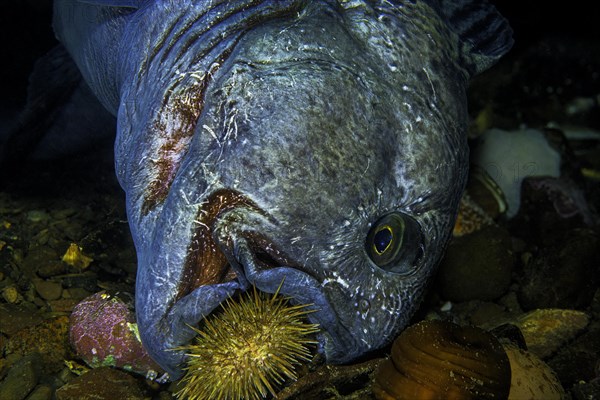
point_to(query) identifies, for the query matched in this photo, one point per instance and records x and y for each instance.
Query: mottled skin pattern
(322, 116)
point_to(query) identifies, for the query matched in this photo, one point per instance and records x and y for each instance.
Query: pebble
(48, 290)
(41, 392)
(37, 216)
(38, 256)
(86, 280)
(477, 266)
(49, 339)
(62, 305)
(21, 378)
(63, 213)
(42, 237)
(101, 383)
(563, 276)
(52, 268)
(76, 293)
(580, 359)
(19, 316)
(587, 390)
(10, 294)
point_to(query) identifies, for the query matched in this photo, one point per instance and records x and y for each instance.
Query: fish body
(315, 147)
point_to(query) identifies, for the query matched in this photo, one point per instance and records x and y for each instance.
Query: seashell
(546, 330)
(486, 192)
(74, 257)
(471, 217)
(442, 360)
(531, 377)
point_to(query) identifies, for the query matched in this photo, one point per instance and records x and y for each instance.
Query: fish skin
(306, 122)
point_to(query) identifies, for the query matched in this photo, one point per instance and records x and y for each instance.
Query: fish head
(322, 168)
(347, 207)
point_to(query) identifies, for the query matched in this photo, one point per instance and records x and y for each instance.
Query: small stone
(51, 268)
(76, 293)
(586, 390)
(37, 216)
(41, 392)
(579, 359)
(487, 312)
(49, 339)
(42, 237)
(62, 305)
(48, 290)
(10, 294)
(21, 378)
(86, 280)
(66, 375)
(101, 383)
(476, 266)
(19, 316)
(38, 256)
(563, 276)
(63, 213)
(545, 331)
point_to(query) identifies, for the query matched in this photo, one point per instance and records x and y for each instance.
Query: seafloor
(539, 271)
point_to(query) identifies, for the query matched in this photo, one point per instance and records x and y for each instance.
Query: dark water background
(556, 58)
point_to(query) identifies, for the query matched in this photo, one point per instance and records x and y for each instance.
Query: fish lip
(294, 281)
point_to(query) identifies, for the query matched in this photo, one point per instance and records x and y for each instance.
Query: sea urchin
(245, 349)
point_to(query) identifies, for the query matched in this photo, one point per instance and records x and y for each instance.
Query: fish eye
(394, 242)
(382, 240)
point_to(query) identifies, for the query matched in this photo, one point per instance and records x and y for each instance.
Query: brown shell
(442, 360)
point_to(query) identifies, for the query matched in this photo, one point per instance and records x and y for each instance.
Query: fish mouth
(230, 253)
(268, 269)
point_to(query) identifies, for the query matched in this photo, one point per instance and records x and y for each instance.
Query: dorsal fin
(485, 33)
(115, 3)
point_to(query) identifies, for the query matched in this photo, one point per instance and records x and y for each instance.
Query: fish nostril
(266, 255)
(265, 260)
(364, 305)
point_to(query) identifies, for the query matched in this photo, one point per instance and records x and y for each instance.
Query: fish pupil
(383, 239)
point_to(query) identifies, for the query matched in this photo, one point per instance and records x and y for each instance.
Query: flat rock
(21, 378)
(41, 392)
(101, 383)
(48, 290)
(19, 316)
(547, 330)
(48, 338)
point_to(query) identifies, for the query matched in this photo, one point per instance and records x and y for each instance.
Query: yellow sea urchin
(243, 351)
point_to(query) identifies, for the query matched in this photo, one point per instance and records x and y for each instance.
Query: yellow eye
(394, 242)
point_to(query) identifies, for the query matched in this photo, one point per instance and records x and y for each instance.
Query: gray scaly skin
(316, 145)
